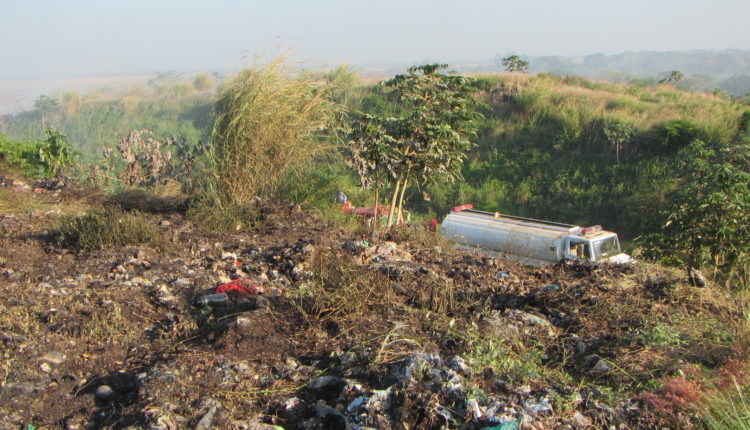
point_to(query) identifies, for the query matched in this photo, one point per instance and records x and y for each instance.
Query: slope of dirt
(345, 334)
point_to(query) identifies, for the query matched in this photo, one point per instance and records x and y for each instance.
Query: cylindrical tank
(530, 240)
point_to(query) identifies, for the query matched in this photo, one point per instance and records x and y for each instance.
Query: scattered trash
(507, 425)
(356, 247)
(542, 406)
(242, 285)
(341, 197)
(229, 256)
(551, 287)
(104, 392)
(220, 299)
(388, 251)
(54, 357)
(601, 366)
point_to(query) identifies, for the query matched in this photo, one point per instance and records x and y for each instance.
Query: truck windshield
(606, 247)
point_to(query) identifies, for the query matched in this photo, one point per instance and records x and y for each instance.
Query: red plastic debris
(433, 225)
(462, 207)
(242, 285)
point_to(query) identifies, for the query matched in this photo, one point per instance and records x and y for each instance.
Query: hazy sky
(56, 38)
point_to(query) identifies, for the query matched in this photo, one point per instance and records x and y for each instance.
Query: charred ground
(399, 332)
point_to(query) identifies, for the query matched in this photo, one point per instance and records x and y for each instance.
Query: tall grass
(728, 410)
(269, 121)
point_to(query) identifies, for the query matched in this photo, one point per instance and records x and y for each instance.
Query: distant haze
(70, 39)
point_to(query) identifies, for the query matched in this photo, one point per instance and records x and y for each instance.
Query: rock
(292, 408)
(601, 366)
(459, 365)
(358, 405)
(54, 357)
(105, 392)
(581, 421)
(327, 387)
(207, 420)
(696, 278)
(330, 418)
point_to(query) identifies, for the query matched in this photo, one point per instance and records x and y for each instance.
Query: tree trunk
(376, 218)
(393, 203)
(400, 218)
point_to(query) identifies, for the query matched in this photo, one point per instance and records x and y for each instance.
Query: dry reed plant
(269, 121)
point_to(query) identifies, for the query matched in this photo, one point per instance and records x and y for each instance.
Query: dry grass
(269, 122)
(107, 227)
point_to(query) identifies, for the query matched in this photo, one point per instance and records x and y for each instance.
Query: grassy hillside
(564, 148)
(547, 148)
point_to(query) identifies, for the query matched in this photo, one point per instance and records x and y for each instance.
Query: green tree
(55, 152)
(708, 221)
(514, 64)
(428, 141)
(46, 105)
(673, 77)
(618, 134)
(372, 152)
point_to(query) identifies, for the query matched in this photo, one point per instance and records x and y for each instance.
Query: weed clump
(269, 121)
(222, 217)
(102, 227)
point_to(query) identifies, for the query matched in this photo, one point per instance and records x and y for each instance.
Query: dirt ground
(398, 333)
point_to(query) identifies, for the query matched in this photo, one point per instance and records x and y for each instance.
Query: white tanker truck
(531, 241)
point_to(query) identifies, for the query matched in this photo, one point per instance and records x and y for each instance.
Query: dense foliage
(708, 217)
(427, 143)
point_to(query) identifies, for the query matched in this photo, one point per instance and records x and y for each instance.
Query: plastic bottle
(220, 299)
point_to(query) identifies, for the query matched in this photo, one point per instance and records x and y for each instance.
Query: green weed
(102, 227)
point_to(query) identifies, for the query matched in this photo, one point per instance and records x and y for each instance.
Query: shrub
(102, 227)
(269, 122)
(675, 134)
(222, 217)
(677, 393)
(21, 155)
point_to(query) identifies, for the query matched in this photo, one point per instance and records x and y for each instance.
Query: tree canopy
(514, 64)
(426, 142)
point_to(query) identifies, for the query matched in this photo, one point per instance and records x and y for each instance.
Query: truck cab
(599, 246)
